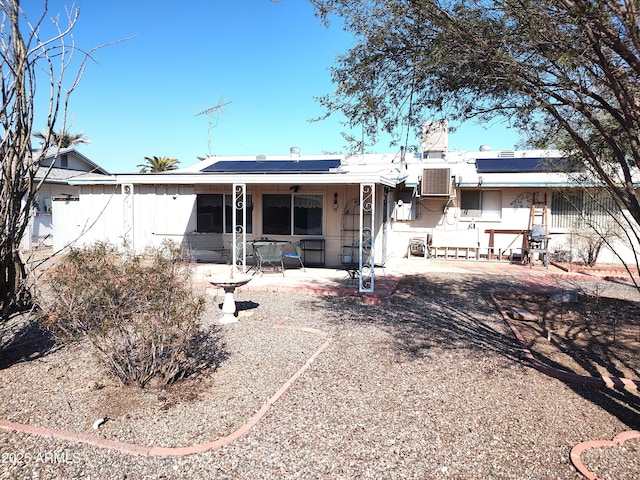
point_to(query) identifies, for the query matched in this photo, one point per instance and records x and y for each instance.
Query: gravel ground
(431, 386)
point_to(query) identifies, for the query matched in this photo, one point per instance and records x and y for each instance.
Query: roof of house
(486, 168)
(299, 169)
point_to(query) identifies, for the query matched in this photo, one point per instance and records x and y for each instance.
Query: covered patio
(333, 211)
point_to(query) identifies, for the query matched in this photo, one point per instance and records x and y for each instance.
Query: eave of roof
(386, 178)
(522, 179)
(62, 175)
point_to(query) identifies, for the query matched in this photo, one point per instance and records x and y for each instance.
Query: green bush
(139, 312)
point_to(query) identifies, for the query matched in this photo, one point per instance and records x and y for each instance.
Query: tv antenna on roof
(210, 112)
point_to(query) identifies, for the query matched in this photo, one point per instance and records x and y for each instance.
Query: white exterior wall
(163, 212)
(169, 212)
(441, 218)
(42, 220)
(100, 214)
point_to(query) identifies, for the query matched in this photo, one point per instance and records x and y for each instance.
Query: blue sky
(270, 60)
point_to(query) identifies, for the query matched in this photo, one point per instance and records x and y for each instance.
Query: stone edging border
(570, 377)
(133, 449)
(602, 381)
(617, 441)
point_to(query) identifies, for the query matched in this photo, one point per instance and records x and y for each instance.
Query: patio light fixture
(335, 202)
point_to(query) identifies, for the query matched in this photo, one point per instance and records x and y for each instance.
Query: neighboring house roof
(78, 165)
(62, 175)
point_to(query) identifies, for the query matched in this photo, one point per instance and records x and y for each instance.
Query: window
(276, 214)
(215, 213)
(307, 214)
(480, 204)
(284, 214)
(470, 201)
(580, 208)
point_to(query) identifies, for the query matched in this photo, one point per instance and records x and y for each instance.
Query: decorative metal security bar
(127, 217)
(366, 242)
(239, 240)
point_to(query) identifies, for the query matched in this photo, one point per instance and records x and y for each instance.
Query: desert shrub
(139, 312)
(588, 238)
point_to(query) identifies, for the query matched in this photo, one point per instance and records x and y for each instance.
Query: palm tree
(62, 138)
(158, 164)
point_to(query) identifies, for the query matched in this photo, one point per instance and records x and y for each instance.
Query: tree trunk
(14, 295)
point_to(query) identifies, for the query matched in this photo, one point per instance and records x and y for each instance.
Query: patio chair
(295, 255)
(269, 253)
(350, 261)
(249, 252)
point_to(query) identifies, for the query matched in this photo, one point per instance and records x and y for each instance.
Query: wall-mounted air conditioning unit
(436, 182)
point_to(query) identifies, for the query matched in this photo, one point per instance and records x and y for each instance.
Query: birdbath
(229, 284)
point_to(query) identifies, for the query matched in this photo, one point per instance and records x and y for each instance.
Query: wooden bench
(455, 244)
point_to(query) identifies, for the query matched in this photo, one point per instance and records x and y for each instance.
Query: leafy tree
(158, 164)
(62, 138)
(546, 66)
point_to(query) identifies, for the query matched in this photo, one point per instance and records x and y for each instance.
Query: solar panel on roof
(272, 166)
(518, 165)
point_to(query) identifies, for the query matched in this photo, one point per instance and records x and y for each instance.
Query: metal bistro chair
(349, 262)
(296, 254)
(268, 253)
(353, 265)
(237, 257)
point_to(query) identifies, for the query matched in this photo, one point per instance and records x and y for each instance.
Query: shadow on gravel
(458, 314)
(22, 338)
(442, 312)
(621, 404)
(211, 352)
(244, 305)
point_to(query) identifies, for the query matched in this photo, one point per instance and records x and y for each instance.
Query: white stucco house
(471, 204)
